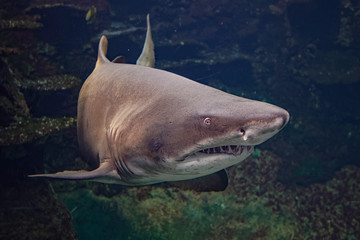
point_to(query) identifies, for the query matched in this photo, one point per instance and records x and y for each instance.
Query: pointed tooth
(233, 148)
(238, 149)
(217, 150)
(230, 149)
(241, 149)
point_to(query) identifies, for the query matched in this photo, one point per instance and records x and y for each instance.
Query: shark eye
(207, 121)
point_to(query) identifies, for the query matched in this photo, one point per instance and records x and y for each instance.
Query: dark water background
(302, 55)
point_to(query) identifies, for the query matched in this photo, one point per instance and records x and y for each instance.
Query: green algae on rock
(172, 214)
(155, 212)
(332, 210)
(255, 206)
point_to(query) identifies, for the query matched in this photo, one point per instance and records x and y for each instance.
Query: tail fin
(147, 57)
(103, 46)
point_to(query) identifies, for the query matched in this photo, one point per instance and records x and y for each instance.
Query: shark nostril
(242, 131)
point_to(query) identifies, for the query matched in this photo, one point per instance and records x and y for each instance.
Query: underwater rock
(332, 210)
(57, 82)
(333, 67)
(8, 50)
(19, 24)
(84, 5)
(12, 101)
(28, 129)
(349, 24)
(245, 210)
(29, 209)
(206, 57)
(254, 206)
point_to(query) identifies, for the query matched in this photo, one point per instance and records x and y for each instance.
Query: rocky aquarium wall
(302, 55)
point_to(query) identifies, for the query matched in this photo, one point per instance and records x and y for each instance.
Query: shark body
(139, 125)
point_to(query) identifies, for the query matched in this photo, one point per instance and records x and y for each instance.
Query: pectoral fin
(105, 170)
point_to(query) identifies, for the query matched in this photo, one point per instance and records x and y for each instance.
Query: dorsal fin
(103, 46)
(147, 57)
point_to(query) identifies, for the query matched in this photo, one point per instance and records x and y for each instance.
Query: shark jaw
(235, 150)
(219, 151)
(208, 160)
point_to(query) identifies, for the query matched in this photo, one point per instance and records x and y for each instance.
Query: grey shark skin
(139, 125)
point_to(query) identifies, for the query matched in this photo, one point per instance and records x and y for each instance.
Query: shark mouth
(228, 149)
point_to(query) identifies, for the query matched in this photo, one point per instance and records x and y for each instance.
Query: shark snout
(282, 119)
(264, 126)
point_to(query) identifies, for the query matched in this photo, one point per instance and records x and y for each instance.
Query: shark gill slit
(121, 167)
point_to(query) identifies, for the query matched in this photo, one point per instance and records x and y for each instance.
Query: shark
(138, 125)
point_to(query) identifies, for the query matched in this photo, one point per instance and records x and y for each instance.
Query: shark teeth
(228, 149)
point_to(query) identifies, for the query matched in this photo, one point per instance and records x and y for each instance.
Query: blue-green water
(300, 55)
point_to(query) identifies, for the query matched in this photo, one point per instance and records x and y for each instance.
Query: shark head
(228, 136)
(196, 131)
